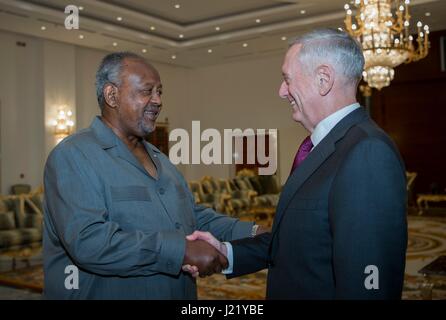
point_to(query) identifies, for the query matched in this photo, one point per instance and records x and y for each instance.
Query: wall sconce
(62, 126)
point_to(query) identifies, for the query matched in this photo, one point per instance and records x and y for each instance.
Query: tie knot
(303, 152)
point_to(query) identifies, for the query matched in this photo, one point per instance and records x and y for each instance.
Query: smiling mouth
(151, 114)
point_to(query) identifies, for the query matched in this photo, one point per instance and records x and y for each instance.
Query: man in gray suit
(340, 227)
(117, 211)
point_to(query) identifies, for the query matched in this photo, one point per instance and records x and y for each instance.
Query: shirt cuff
(230, 258)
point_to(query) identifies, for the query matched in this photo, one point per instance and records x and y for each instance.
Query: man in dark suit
(340, 228)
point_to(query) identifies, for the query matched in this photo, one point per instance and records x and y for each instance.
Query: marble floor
(427, 241)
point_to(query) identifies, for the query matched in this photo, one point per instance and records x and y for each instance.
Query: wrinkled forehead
(139, 72)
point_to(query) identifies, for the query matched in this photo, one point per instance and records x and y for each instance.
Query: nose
(156, 98)
(283, 90)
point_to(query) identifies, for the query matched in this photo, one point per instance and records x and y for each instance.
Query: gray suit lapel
(125, 154)
(314, 160)
(111, 142)
(154, 155)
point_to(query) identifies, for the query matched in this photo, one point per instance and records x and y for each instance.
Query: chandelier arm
(426, 44)
(360, 24)
(420, 46)
(396, 29)
(407, 14)
(398, 23)
(348, 24)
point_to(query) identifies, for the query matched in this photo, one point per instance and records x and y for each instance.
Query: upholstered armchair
(201, 197)
(246, 173)
(239, 202)
(213, 193)
(20, 189)
(247, 190)
(266, 187)
(195, 188)
(410, 178)
(20, 220)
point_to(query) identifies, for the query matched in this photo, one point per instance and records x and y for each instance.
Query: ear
(325, 76)
(111, 95)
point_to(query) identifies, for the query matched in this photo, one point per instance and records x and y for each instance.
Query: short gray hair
(110, 72)
(335, 46)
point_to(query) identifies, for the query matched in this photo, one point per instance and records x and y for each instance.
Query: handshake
(204, 255)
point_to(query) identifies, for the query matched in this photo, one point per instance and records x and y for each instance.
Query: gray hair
(110, 72)
(334, 46)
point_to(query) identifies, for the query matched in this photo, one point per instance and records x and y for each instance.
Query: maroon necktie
(302, 153)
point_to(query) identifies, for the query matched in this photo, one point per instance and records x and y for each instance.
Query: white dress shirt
(322, 129)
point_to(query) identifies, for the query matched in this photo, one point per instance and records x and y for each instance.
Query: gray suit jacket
(123, 230)
(341, 210)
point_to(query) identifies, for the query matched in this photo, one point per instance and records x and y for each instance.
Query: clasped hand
(205, 255)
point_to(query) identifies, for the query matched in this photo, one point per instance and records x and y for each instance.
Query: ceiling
(198, 33)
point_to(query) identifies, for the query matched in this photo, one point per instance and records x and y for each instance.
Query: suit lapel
(154, 155)
(125, 154)
(110, 141)
(314, 160)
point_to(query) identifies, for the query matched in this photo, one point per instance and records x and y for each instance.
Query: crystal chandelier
(385, 37)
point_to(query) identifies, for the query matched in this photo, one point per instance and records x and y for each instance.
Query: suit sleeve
(221, 226)
(250, 254)
(76, 212)
(367, 213)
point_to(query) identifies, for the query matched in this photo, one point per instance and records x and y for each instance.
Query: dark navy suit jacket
(342, 209)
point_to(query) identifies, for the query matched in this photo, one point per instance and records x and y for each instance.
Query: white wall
(45, 74)
(243, 95)
(59, 85)
(22, 142)
(87, 61)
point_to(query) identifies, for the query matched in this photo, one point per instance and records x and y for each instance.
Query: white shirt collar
(325, 126)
